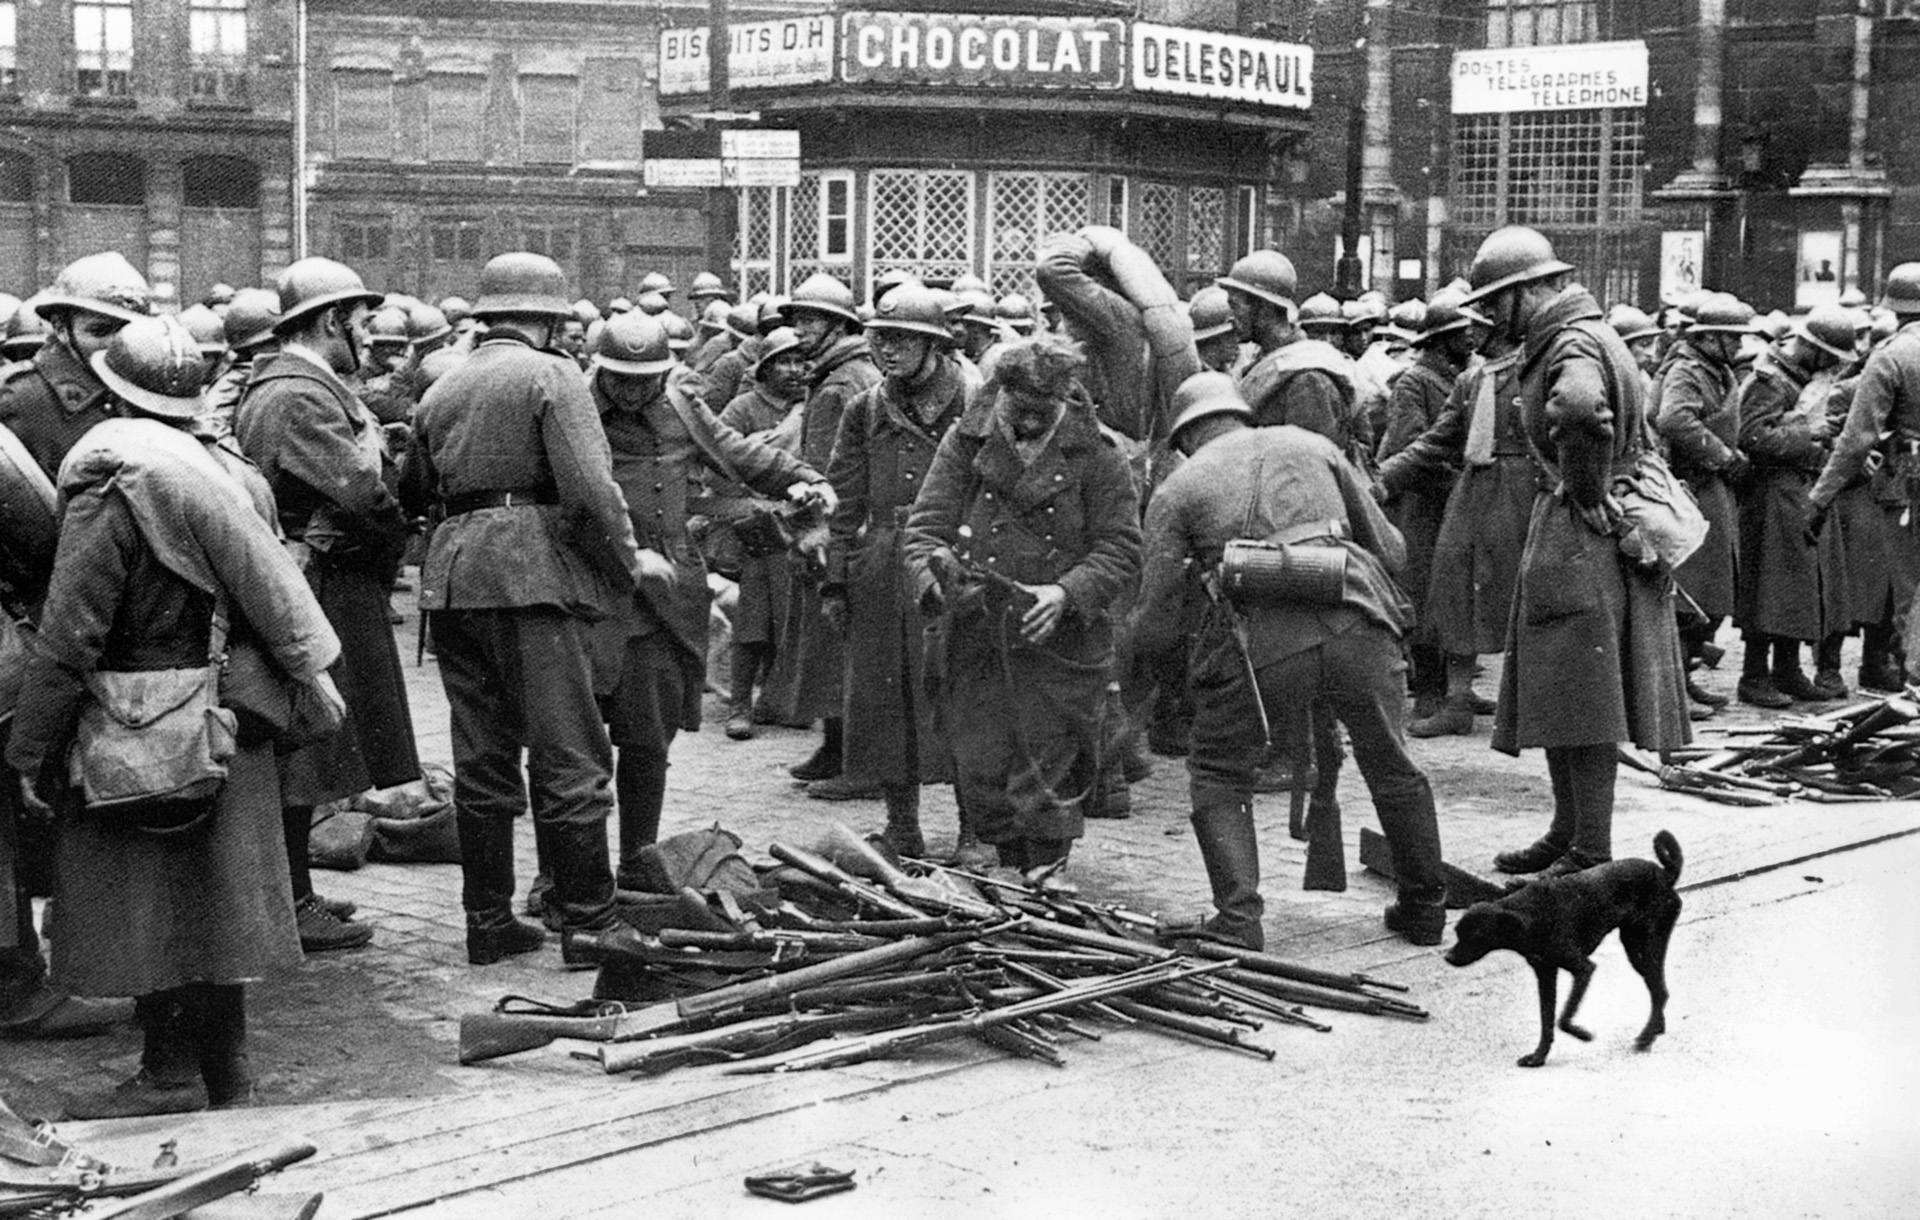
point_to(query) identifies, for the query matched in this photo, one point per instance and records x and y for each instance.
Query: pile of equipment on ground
(1866, 751)
(846, 955)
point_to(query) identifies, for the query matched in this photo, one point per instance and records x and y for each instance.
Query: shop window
(107, 178)
(836, 217)
(362, 115)
(9, 46)
(103, 48)
(821, 223)
(456, 106)
(1554, 167)
(1542, 23)
(217, 34)
(1022, 211)
(753, 239)
(921, 222)
(1246, 212)
(1155, 226)
(1206, 232)
(547, 108)
(221, 182)
(1117, 214)
(365, 240)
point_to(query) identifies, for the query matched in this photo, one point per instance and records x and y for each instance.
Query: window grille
(1566, 167)
(1206, 231)
(9, 46)
(1157, 229)
(456, 108)
(1542, 23)
(547, 105)
(103, 47)
(753, 240)
(362, 114)
(820, 219)
(1022, 211)
(921, 222)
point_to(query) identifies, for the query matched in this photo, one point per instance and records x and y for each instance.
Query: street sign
(759, 145)
(763, 172)
(669, 172)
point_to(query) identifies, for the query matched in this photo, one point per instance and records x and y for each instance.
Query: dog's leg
(1582, 972)
(1646, 945)
(1547, 975)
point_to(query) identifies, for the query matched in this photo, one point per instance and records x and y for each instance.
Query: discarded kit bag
(414, 823)
(679, 874)
(1664, 523)
(341, 838)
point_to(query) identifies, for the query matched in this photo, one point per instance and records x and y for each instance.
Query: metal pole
(299, 194)
(1347, 272)
(722, 204)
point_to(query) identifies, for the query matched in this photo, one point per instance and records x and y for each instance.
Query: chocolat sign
(982, 49)
(1201, 63)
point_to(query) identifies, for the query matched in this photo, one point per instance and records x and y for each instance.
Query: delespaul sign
(1582, 76)
(945, 50)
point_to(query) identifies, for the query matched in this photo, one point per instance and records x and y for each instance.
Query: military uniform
(1025, 719)
(1779, 592)
(1697, 414)
(1118, 373)
(537, 542)
(51, 401)
(1417, 507)
(1310, 384)
(760, 616)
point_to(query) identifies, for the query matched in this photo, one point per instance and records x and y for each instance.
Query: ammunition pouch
(1302, 566)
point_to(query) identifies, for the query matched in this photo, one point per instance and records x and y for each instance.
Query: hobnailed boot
(1454, 719)
(1326, 867)
(903, 821)
(168, 1081)
(1223, 828)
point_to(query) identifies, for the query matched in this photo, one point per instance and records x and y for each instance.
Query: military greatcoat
(1419, 504)
(1779, 588)
(49, 402)
(1696, 410)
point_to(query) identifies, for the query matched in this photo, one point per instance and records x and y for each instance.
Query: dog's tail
(1666, 849)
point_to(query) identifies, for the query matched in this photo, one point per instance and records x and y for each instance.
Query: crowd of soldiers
(979, 543)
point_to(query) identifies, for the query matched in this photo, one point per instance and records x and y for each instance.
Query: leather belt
(474, 501)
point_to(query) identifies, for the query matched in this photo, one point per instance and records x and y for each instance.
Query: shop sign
(760, 55)
(1583, 76)
(1228, 67)
(982, 49)
(681, 172)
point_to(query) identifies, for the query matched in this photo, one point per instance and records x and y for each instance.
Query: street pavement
(1784, 1087)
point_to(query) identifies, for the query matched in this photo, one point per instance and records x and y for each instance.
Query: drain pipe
(299, 129)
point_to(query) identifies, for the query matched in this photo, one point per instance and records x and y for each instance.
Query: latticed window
(753, 240)
(1550, 167)
(1157, 224)
(820, 224)
(1206, 230)
(1022, 211)
(921, 222)
(103, 47)
(217, 32)
(547, 105)
(1542, 23)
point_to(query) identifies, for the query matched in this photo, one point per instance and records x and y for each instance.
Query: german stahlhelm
(521, 282)
(1203, 396)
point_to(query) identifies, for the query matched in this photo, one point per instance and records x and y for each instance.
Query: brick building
(1754, 145)
(439, 134)
(161, 128)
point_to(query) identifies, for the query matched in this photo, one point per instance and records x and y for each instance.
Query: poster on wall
(1817, 281)
(1682, 253)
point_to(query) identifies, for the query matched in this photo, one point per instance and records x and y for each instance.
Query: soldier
(724, 376)
(1295, 379)
(248, 328)
(1416, 505)
(978, 330)
(324, 456)
(1287, 485)
(706, 289)
(769, 414)
(1026, 487)
(52, 401)
(1015, 312)
(1697, 412)
(1118, 373)
(812, 680)
(386, 355)
(1213, 335)
(536, 544)
(881, 456)
(27, 332)
(1592, 656)
(1884, 418)
(1642, 337)
(710, 335)
(662, 441)
(209, 335)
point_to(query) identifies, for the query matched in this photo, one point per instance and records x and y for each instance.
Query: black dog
(1557, 923)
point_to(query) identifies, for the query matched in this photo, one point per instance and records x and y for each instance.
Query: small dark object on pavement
(1557, 923)
(799, 1183)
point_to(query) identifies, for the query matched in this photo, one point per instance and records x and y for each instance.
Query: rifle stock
(493, 1035)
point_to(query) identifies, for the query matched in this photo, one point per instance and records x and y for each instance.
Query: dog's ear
(1507, 926)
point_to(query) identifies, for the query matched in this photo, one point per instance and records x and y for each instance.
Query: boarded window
(221, 182)
(108, 178)
(456, 107)
(362, 115)
(547, 105)
(107, 195)
(611, 111)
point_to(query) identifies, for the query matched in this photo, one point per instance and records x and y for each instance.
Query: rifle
(215, 1182)
(782, 942)
(742, 1040)
(840, 879)
(491, 1035)
(923, 892)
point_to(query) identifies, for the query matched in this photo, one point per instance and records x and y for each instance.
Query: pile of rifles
(859, 958)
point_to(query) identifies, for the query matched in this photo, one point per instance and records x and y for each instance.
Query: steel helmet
(154, 364)
(652, 303)
(457, 309)
(1366, 310)
(779, 343)
(387, 326)
(1632, 324)
(680, 334)
(914, 309)
(521, 282)
(1203, 395)
(250, 318)
(1016, 311)
(1448, 313)
(892, 279)
(633, 344)
(1510, 257)
(772, 315)
(950, 304)
(979, 307)
(1829, 328)
(713, 318)
(1321, 312)
(104, 283)
(206, 328)
(1210, 313)
(619, 305)
(218, 295)
(1775, 325)
(402, 301)
(595, 329)
(706, 285)
(426, 324)
(1853, 298)
(1406, 321)
(1723, 313)
(822, 293)
(655, 281)
(314, 284)
(968, 282)
(9, 305)
(1266, 274)
(742, 319)
(586, 312)
(1901, 293)
(26, 331)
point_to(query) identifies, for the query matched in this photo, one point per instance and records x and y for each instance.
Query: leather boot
(1326, 847)
(1230, 850)
(582, 875)
(1418, 918)
(969, 853)
(1788, 678)
(486, 861)
(1879, 669)
(494, 935)
(1704, 697)
(220, 1037)
(321, 931)
(168, 1081)
(746, 667)
(1453, 719)
(823, 763)
(903, 821)
(1756, 687)
(1826, 668)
